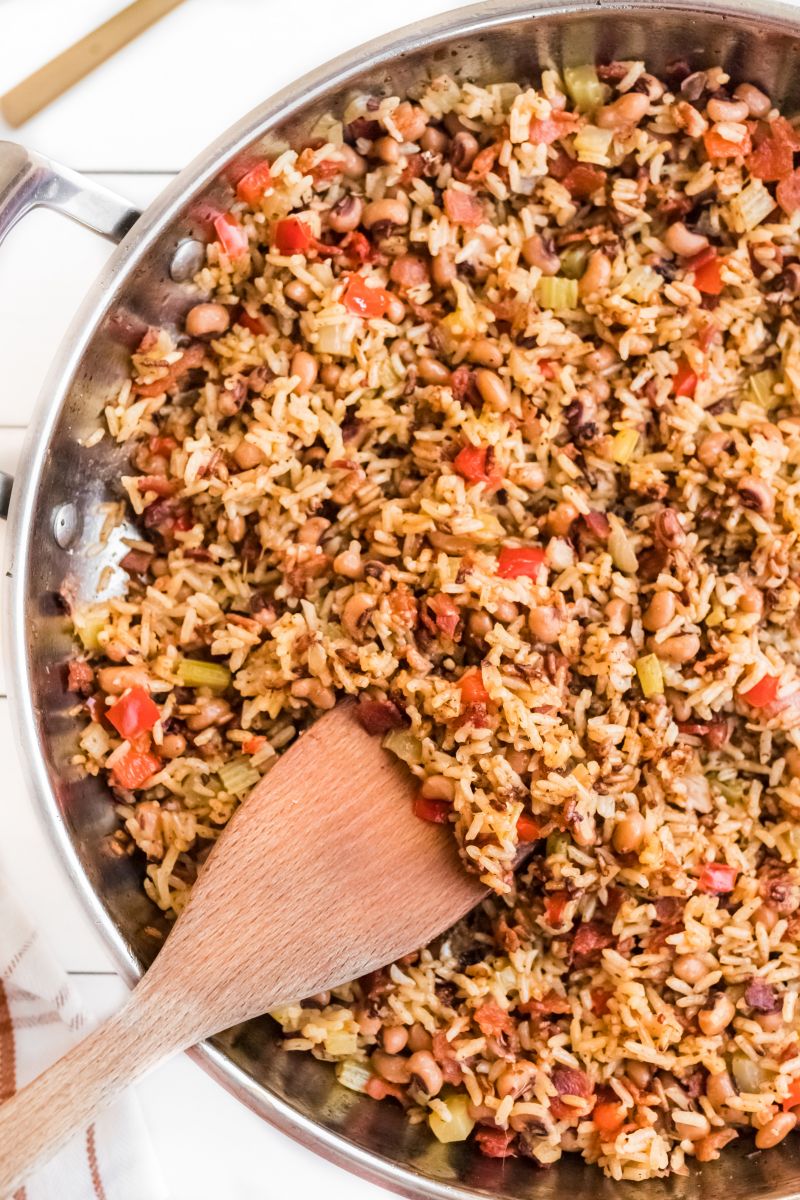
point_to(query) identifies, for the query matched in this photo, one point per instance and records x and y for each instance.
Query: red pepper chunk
(608, 1117)
(253, 186)
(133, 714)
(528, 828)
(793, 1099)
(516, 561)
(477, 464)
(719, 147)
(435, 811)
(705, 266)
(232, 237)
(554, 907)
(292, 236)
(365, 301)
(135, 768)
(717, 879)
(684, 381)
(763, 693)
(472, 689)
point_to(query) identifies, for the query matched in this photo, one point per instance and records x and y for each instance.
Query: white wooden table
(132, 124)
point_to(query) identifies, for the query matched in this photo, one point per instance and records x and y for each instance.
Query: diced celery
(648, 668)
(339, 1041)
(762, 385)
(238, 777)
(460, 1125)
(585, 89)
(752, 206)
(592, 145)
(557, 843)
(557, 293)
(89, 626)
(196, 673)
(623, 446)
(337, 337)
(353, 1074)
(573, 261)
(404, 746)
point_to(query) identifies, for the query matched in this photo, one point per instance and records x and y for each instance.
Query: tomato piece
(717, 879)
(554, 907)
(463, 208)
(135, 768)
(762, 693)
(528, 829)
(773, 157)
(253, 186)
(516, 561)
(793, 1099)
(292, 236)
(230, 235)
(133, 714)
(253, 744)
(788, 193)
(436, 811)
(720, 147)
(684, 381)
(608, 1117)
(583, 180)
(365, 301)
(472, 689)
(706, 266)
(492, 1020)
(477, 464)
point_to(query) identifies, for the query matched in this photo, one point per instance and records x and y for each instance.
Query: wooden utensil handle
(36, 1122)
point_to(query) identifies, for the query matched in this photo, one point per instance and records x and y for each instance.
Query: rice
(515, 463)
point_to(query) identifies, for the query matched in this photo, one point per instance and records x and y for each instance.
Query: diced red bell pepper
(554, 907)
(717, 879)
(706, 267)
(477, 464)
(436, 811)
(292, 236)
(762, 693)
(472, 689)
(793, 1099)
(528, 829)
(365, 301)
(684, 381)
(463, 208)
(708, 336)
(583, 180)
(719, 147)
(788, 193)
(253, 744)
(133, 714)
(135, 768)
(516, 561)
(253, 186)
(608, 1117)
(231, 236)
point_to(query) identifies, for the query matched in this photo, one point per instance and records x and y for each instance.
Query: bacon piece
(761, 996)
(492, 1020)
(80, 677)
(445, 1056)
(496, 1143)
(590, 938)
(569, 1082)
(463, 208)
(136, 562)
(192, 357)
(379, 716)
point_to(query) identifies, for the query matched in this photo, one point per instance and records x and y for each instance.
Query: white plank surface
(135, 121)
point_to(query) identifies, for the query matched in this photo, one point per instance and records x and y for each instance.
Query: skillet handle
(29, 180)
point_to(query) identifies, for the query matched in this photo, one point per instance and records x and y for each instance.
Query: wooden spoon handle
(36, 1122)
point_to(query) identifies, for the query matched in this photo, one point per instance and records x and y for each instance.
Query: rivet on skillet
(187, 260)
(65, 525)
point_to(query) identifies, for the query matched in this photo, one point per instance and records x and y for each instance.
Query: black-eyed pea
(775, 1130)
(426, 1072)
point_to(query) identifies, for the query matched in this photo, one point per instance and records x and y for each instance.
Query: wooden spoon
(323, 874)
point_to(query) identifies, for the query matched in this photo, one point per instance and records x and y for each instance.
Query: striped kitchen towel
(40, 1019)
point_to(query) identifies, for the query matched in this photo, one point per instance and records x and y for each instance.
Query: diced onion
(623, 446)
(404, 746)
(339, 1041)
(196, 673)
(749, 1075)
(762, 385)
(752, 206)
(353, 1074)
(460, 1125)
(592, 145)
(620, 548)
(337, 337)
(648, 668)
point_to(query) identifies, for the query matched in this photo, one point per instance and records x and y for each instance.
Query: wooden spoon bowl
(323, 874)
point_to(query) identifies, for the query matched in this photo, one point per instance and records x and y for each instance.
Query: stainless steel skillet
(54, 520)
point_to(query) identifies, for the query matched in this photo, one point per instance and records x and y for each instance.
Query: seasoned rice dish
(487, 413)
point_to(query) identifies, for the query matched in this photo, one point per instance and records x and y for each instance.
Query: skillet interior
(490, 42)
